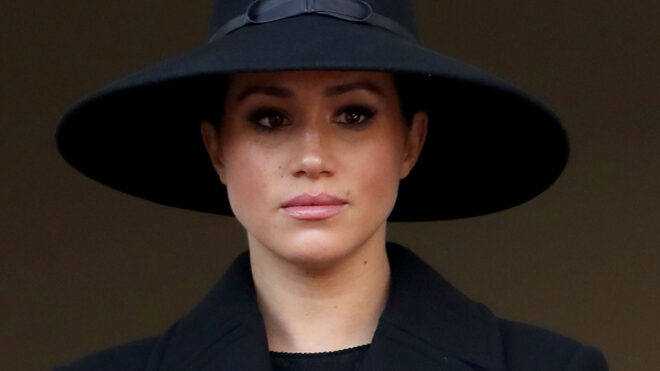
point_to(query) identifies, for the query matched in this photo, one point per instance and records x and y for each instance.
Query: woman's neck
(320, 309)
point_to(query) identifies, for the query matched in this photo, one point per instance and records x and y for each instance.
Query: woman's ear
(212, 144)
(415, 138)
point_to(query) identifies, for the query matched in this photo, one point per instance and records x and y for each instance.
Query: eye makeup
(268, 118)
(351, 116)
(355, 116)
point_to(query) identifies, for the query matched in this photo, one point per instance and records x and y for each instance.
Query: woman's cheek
(247, 185)
(381, 180)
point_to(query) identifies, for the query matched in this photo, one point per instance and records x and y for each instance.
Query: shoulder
(528, 347)
(128, 356)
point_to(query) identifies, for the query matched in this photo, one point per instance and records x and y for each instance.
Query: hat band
(264, 11)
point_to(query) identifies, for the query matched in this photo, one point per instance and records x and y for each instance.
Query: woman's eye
(267, 118)
(354, 115)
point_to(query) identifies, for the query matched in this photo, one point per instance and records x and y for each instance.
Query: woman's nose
(314, 157)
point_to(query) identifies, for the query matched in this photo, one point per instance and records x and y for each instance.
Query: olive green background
(84, 267)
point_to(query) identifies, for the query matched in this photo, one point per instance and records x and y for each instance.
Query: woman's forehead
(377, 81)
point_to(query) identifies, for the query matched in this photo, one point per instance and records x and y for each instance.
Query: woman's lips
(313, 212)
(313, 207)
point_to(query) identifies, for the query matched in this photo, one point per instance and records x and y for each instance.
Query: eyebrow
(277, 91)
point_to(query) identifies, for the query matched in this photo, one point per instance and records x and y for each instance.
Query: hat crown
(400, 11)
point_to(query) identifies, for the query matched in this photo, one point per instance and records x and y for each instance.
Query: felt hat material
(489, 147)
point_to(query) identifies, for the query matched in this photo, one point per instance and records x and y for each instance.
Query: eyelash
(257, 115)
(364, 111)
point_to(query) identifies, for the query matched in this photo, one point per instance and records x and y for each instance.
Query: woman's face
(338, 134)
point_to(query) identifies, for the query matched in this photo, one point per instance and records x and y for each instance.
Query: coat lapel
(223, 332)
(429, 325)
(426, 325)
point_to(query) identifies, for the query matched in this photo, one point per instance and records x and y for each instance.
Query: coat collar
(426, 324)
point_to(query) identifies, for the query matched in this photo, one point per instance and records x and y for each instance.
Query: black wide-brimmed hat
(489, 145)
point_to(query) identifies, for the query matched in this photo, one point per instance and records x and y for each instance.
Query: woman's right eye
(268, 118)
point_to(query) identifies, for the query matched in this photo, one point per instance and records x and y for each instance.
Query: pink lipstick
(313, 207)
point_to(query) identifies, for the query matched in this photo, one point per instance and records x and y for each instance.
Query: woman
(313, 116)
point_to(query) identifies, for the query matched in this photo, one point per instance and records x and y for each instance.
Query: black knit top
(340, 360)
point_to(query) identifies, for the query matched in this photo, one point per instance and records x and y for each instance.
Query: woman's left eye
(354, 115)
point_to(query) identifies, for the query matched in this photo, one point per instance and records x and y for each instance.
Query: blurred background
(85, 267)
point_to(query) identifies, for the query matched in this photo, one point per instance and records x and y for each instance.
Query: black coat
(426, 325)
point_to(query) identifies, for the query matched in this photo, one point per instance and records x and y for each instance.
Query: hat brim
(489, 146)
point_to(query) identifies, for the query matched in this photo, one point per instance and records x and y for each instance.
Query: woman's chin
(319, 255)
(309, 250)
(315, 247)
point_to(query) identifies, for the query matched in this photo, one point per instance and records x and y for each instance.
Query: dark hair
(410, 95)
(212, 98)
(407, 88)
